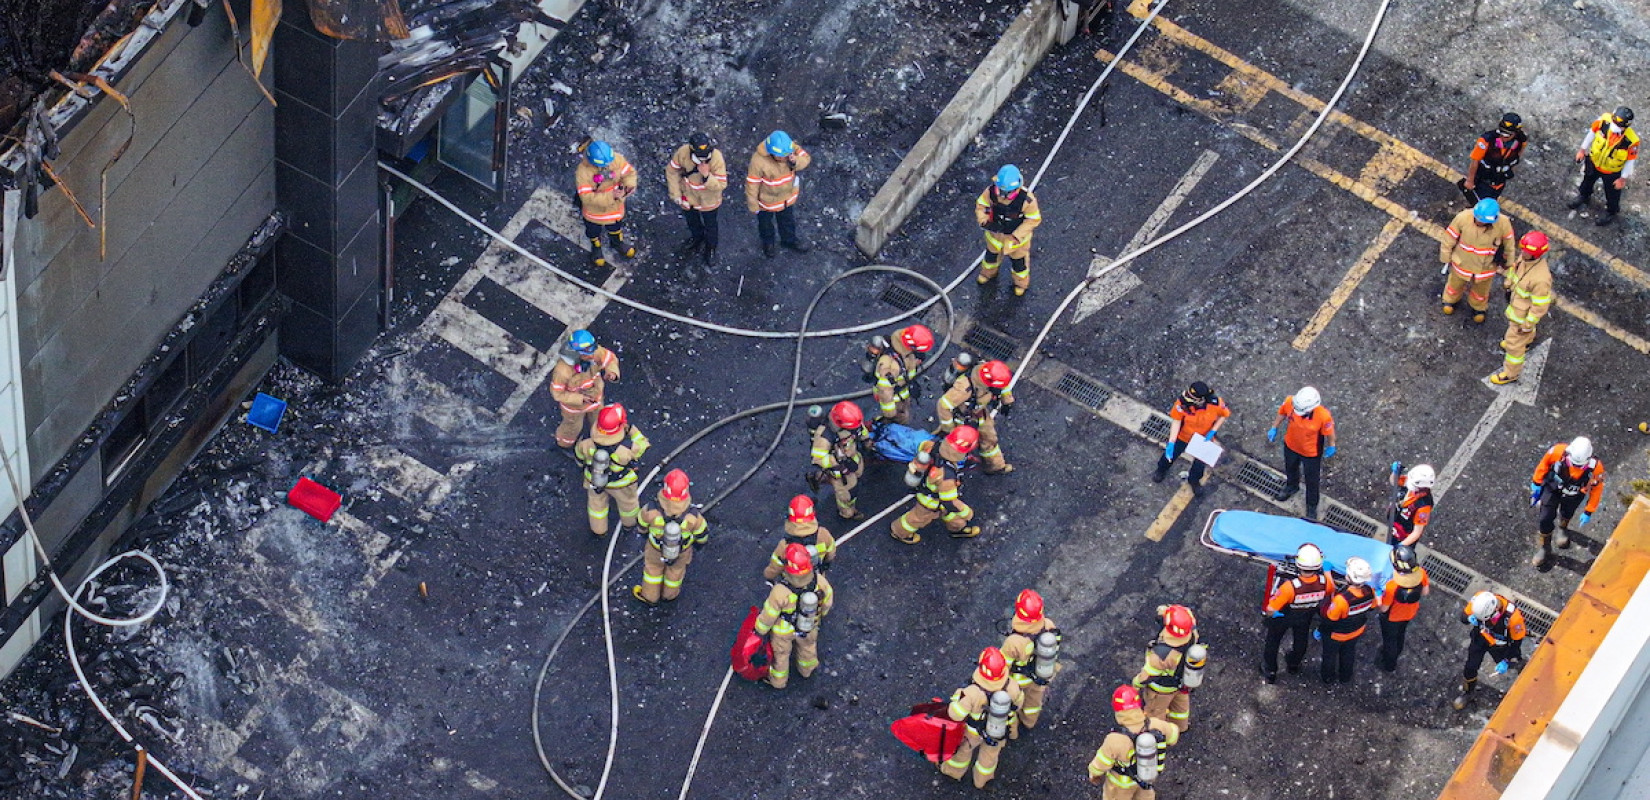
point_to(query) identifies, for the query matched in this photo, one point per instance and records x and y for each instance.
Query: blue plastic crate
(266, 412)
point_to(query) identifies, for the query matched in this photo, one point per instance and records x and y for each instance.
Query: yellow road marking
(1349, 283)
(1170, 513)
(1588, 316)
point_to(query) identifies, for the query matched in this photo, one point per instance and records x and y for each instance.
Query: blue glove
(1535, 493)
(1168, 451)
(1317, 636)
(1210, 435)
(1472, 620)
(1397, 467)
(1584, 517)
(1272, 435)
(1501, 668)
(1277, 615)
(1329, 451)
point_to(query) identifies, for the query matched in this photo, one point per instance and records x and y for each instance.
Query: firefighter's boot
(1543, 551)
(1467, 687)
(619, 244)
(596, 258)
(1561, 537)
(988, 268)
(968, 532)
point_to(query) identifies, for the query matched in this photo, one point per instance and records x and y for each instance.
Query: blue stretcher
(1273, 540)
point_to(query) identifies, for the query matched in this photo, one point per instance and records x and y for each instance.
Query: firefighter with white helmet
(1308, 438)
(1567, 475)
(897, 361)
(802, 528)
(1293, 598)
(1345, 618)
(1032, 649)
(791, 616)
(1498, 631)
(836, 455)
(936, 475)
(609, 457)
(1413, 512)
(986, 707)
(1174, 666)
(577, 381)
(674, 530)
(1131, 757)
(976, 398)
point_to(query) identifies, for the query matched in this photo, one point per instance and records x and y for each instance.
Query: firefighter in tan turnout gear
(1474, 242)
(1131, 756)
(986, 707)
(1173, 668)
(802, 527)
(674, 529)
(1033, 650)
(976, 398)
(1529, 285)
(836, 455)
(936, 475)
(1008, 213)
(577, 382)
(792, 614)
(894, 369)
(609, 457)
(605, 179)
(696, 176)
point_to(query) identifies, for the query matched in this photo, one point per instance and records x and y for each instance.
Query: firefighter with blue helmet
(1008, 213)
(1476, 241)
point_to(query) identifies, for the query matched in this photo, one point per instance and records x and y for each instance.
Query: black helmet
(1624, 116)
(700, 143)
(1403, 558)
(1197, 394)
(1511, 122)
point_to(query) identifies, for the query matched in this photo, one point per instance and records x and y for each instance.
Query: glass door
(471, 139)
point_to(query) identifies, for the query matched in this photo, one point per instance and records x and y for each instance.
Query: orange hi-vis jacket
(1198, 419)
(1299, 596)
(1505, 628)
(1346, 615)
(1402, 596)
(1557, 474)
(599, 189)
(1469, 248)
(770, 183)
(1305, 434)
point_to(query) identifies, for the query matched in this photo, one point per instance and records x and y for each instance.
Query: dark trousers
(780, 225)
(1339, 659)
(1193, 477)
(1276, 627)
(1482, 189)
(1555, 504)
(702, 226)
(1392, 642)
(1477, 648)
(1612, 195)
(594, 230)
(1294, 466)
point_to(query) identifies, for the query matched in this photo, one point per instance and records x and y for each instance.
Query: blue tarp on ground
(1275, 538)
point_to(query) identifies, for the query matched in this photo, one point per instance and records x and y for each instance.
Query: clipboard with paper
(1204, 449)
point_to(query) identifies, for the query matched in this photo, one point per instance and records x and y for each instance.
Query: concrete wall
(1021, 47)
(197, 179)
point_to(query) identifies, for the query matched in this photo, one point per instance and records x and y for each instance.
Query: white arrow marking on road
(1523, 391)
(1102, 293)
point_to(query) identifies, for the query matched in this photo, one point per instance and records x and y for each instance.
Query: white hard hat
(1309, 557)
(1484, 605)
(1357, 570)
(1306, 399)
(1579, 450)
(1421, 476)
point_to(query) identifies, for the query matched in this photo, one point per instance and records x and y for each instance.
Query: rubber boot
(989, 262)
(1017, 267)
(1467, 687)
(1580, 201)
(596, 253)
(690, 247)
(1543, 552)
(966, 533)
(708, 256)
(1561, 537)
(626, 250)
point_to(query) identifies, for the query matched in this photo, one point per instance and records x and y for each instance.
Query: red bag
(751, 651)
(929, 731)
(314, 499)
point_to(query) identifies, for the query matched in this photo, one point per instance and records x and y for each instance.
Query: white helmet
(1309, 557)
(1484, 605)
(1579, 450)
(1357, 571)
(1306, 399)
(1421, 476)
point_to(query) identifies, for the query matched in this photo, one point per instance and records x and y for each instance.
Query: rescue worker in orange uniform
(577, 381)
(984, 732)
(1117, 762)
(1476, 241)
(977, 398)
(605, 179)
(697, 176)
(1199, 411)
(938, 485)
(896, 371)
(1567, 475)
(792, 614)
(1008, 213)
(1413, 512)
(1291, 607)
(1608, 153)
(618, 445)
(802, 528)
(771, 190)
(1020, 648)
(1161, 679)
(1308, 439)
(1529, 285)
(1400, 600)
(1498, 631)
(1493, 157)
(666, 556)
(836, 455)
(1344, 619)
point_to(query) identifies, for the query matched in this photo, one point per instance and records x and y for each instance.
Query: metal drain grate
(1342, 518)
(1156, 427)
(1261, 479)
(902, 297)
(1448, 574)
(1537, 618)
(990, 343)
(1083, 389)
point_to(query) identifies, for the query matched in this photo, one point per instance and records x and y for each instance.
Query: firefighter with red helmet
(975, 398)
(609, 456)
(790, 617)
(895, 368)
(986, 707)
(1173, 668)
(1032, 649)
(836, 455)
(1567, 475)
(1529, 286)
(674, 529)
(802, 528)
(936, 475)
(1131, 756)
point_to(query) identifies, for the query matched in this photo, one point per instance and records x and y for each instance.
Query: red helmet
(996, 374)
(1178, 621)
(1534, 244)
(964, 438)
(1029, 606)
(917, 338)
(847, 416)
(993, 667)
(1126, 698)
(797, 561)
(802, 509)
(612, 419)
(676, 485)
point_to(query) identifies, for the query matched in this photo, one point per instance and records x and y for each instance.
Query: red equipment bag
(751, 651)
(314, 499)
(929, 731)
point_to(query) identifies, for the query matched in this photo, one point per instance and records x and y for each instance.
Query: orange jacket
(1347, 614)
(1569, 478)
(1285, 593)
(1303, 433)
(1504, 628)
(1198, 420)
(1415, 583)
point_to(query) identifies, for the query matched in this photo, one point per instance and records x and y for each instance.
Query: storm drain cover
(1156, 427)
(902, 297)
(1340, 517)
(1083, 389)
(1261, 479)
(990, 343)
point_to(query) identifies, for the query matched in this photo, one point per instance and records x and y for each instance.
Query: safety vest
(1359, 600)
(1559, 477)
(1500, 158)
(1407, 509)
(1308, 596)
(1006, 216)
(1406, 595)
(1611, 152)
(1495, 630)
(1169, 682)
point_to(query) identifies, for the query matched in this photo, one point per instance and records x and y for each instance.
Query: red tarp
(751, 652)
(929, 731)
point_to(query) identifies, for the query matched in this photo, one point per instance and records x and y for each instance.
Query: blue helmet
(582, 342)
(1008, 178)
(599, 153)
(1487, 211)
(779, 144)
